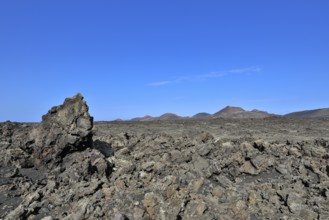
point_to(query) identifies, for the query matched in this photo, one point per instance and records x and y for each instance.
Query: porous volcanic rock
(64, 129)
(47, 169)
(273, 168)
(218, 169)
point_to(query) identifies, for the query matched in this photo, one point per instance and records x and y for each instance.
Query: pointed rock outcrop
(64, 129)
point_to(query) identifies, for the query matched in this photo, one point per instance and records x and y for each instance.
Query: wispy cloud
(161, 83)
(246, 70)
(166, 82)
(215, 74)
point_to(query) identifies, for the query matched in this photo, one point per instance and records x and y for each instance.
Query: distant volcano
(169, 116)
(202, 115)
(227, 111)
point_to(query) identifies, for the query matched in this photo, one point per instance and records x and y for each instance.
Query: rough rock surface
(188, 169)
(64, 129)
(45, 168)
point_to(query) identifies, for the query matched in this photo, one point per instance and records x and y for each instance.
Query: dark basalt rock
(187, 169)
(64, 129)
(50, 163)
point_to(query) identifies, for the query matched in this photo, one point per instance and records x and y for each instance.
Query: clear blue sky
(131, 58)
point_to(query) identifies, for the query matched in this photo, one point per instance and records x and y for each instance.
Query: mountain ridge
(238, 113)
(315, 113)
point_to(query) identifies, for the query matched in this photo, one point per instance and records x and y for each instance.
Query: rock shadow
(103, 147)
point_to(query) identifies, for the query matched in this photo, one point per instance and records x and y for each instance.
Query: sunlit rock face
(65, 128)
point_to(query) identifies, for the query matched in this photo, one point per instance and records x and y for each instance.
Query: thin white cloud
(246, 70)
(166, 82)
(216, 74)
(161, 83)
(211, 75)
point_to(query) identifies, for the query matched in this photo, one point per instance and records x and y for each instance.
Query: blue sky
(131, 58)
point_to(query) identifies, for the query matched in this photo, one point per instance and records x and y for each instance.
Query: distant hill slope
(145, 118)
(202, 115)
(251, 114)
(169, 116)
(228, 111)
(164, 117)
(317, 113)
(237, 112)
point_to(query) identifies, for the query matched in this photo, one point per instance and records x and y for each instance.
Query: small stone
(11, 174)
(295, 203)
(261, 145)
(252, 199)
(150, 202)
(200, 164)
(294, 152)
(195, 185)
(248, 168)
(283, 169)
(120, 216)
(44, 210)
(218, 191)
(205, 150)
(201, 208)
(138, 213)
(148, 166)
(263, 161)
(99, 195)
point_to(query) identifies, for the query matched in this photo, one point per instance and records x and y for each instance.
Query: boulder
(64, 129)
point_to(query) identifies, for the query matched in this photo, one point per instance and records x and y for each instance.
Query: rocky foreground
(67, 168)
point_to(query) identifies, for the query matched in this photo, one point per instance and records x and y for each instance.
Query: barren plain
(66, 167)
